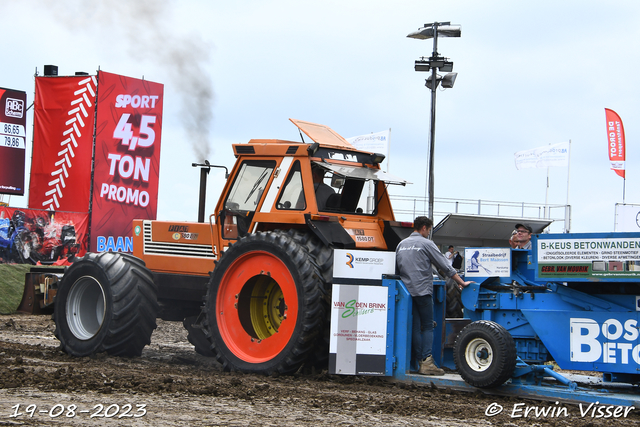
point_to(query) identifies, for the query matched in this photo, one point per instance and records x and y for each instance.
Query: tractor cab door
(243, 197)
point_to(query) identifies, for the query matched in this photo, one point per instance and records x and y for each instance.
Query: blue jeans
(422, 332)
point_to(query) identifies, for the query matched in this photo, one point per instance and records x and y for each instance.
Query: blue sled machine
(573, 299)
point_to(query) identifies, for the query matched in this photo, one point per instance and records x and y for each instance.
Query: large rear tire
(322, 257)
(106, 303)
(264, 308)
(485, 354)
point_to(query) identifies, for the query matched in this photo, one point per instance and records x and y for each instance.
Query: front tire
(264, 307)
(485, 354)
(197, 337)
(106, 303)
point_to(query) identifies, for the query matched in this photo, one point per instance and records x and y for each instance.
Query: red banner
(127, 159)
(616, 143)
(13, 121)
(64, 110)
(30, 236)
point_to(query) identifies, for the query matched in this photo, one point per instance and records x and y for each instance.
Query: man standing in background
(449, 254)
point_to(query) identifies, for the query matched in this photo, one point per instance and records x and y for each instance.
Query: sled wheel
(264, 309)
(485, 354)
(105, 303)
(196, 336)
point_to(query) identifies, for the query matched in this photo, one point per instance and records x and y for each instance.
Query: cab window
(292, 195)
(244, 196)
(335, 193)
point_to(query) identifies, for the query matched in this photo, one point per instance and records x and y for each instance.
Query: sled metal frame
(538, 382)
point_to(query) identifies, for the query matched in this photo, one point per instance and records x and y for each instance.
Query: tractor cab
(280, 184)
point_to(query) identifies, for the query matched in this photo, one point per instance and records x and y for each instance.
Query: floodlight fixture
(446, 67)
(448, 80)
(429, 82)
(440, 63)
(436, 29)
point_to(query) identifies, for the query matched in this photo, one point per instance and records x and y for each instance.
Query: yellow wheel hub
(267, 307)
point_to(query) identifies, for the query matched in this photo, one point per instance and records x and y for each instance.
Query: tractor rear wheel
(485, 354)
(106, 303)
(322, 257)
(264, 308)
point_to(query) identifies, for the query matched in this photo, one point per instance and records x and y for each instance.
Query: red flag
(615, 139)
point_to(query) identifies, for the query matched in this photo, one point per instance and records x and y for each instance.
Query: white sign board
(627, 218)
(487, 262)
(357, 264)
(358, 339)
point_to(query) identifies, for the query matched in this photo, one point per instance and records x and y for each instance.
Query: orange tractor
(253, 285)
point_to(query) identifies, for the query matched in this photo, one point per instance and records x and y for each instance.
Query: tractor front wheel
(264, 308)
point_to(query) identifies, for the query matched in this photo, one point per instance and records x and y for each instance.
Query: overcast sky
(530, 74)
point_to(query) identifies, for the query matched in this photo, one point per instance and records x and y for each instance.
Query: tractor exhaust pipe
(206, 167)
(203, 193)
(203, 188)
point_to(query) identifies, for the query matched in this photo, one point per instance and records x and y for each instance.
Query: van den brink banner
(127, 159)
(13, 120)
(64, 110)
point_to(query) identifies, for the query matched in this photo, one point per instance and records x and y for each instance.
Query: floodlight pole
(432, 139)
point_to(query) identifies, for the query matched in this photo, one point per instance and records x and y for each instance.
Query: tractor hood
(323, 135)
(362, 173)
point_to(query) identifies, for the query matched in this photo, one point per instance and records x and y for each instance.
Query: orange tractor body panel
(174, 246)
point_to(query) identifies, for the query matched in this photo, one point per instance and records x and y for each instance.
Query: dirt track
(181, 388)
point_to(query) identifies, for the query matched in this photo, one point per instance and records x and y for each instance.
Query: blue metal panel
(439, 315)
(398, 327)
(590, 341)
(390, 359)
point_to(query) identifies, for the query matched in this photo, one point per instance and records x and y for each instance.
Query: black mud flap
(331, 233)
(394, 233)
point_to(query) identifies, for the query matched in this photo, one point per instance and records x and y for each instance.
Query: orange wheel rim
(257, 275)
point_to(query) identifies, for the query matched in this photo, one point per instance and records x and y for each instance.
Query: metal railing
(406, 208)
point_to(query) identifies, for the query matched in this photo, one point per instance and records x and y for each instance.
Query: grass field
(11, 286)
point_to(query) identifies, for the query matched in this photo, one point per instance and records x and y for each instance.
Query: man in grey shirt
(415, 257)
